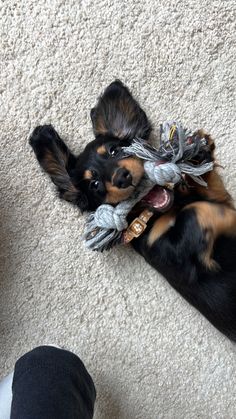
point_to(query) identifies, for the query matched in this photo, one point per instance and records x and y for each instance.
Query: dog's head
(101, 173)
(104, 174)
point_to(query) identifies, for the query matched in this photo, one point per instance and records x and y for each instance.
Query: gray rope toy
(104, 227)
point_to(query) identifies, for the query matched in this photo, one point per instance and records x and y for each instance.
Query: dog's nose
(122, 178)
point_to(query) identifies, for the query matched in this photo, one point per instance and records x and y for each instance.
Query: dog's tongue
(159, 198)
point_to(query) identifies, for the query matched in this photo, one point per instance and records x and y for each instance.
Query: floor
(151, 355)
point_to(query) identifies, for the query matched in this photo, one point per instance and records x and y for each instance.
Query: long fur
(193, 246)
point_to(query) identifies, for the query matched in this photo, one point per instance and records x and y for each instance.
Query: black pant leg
(51, 383)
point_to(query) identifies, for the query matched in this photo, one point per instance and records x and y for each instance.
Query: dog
(192, 244)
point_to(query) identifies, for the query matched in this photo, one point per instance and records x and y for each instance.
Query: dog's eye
(114, 150)
(94, 184)
(94, 174)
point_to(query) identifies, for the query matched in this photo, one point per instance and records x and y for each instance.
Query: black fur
(117, 114)
(177, 254)
(67, 171)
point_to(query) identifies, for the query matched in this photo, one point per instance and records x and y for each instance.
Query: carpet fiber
(151, 355)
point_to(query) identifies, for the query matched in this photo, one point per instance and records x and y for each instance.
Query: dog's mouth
(159, 199)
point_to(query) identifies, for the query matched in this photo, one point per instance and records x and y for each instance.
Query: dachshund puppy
(193, 243)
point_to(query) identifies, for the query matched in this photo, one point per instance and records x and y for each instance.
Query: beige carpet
(150, 353)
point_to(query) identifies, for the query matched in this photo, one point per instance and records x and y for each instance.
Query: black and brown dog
(193, 244)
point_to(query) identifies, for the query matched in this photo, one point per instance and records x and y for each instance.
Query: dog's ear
(57, 160)
(119, 115)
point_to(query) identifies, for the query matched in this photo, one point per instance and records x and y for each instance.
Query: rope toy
(178, 146)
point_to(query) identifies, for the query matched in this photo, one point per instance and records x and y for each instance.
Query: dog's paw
(44, 141)
(42, 134)
(206, 153)
(209, 140)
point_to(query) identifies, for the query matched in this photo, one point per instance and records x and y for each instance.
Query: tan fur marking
(220, 218)
(214, 220)
(203, 134)
(116, 195)
(113, 177)
(135, 167)
(57, 170)
(161, 226)
(215, 190)
(52, 165)
(100, 127)
(88, 174)
(101, 150)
